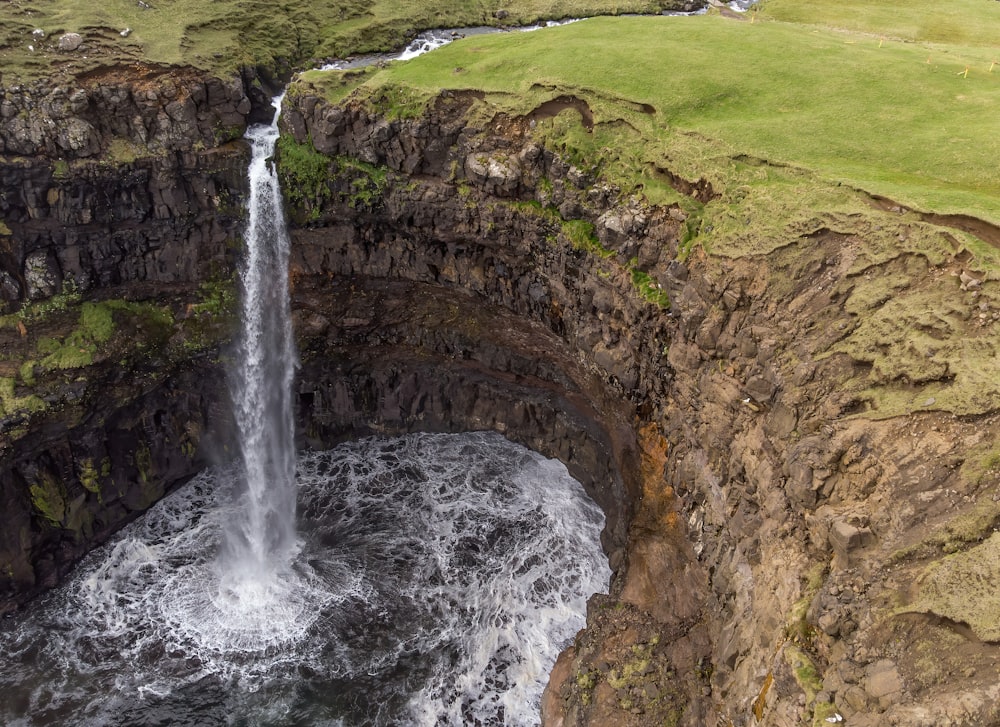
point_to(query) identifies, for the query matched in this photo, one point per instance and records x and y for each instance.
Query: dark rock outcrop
(450, 277)
(159, 109)
(97, 225)
(125, 187)
(80, 476)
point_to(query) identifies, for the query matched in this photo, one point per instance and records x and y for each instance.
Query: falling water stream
(419, 580)
(254, 563)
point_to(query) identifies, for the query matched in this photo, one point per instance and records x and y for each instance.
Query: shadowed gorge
(740, 311)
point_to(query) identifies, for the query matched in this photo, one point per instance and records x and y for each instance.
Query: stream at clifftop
(439, 577)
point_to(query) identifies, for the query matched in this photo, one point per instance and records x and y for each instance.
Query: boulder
(69, 42)
(845, 537)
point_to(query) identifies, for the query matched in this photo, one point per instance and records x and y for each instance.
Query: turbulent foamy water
(434, 581)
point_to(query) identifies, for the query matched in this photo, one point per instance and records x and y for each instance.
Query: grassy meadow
(898, 119)
(803, 118)
(957, 22)
(223, 35)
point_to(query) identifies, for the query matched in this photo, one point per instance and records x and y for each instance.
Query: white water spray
(437, 579)
(261, 539)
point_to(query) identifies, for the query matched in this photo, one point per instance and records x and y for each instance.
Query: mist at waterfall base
(435, 578)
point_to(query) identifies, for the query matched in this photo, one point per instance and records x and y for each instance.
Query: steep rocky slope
(121, 218)
(781, 555)
(795, 448)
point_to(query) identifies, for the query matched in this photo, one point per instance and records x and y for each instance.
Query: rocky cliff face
(764, 526)
(121, 209)
(157, 109)
(761, 566)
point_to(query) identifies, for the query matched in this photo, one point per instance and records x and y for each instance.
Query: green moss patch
(809, 679)
(304, 174)
(56, 337)
(959, 533)
(95, 327)
(804, 671)
(89, 476)
(49, 499)
(11, 402)
(582, 236)
(34, 311)
(930, 344)
(368, 182)
(963, 588)
(649, 289)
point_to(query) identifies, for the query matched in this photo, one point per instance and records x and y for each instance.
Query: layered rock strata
(766, 516)
(765, 527)
(121, 205)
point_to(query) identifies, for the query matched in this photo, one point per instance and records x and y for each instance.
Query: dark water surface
(435, 580)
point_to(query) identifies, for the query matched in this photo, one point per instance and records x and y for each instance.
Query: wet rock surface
(99, 462)
(397, 356)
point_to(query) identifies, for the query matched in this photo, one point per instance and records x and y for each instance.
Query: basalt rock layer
(121, 206)
(157, 109)
(781, 554)
(772, 527)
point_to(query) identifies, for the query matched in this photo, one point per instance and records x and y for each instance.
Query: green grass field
(957, 22)
(898, 119)
(222, 35)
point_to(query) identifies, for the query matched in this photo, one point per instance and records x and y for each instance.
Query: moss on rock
(963, 588)
(49, 498)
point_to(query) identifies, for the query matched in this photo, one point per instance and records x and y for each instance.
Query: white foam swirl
(435, 581)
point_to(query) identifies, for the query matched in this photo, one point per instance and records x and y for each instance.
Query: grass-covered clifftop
(866, 122)
(868, 108)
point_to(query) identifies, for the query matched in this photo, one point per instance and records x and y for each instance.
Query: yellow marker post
(992, 63)
(881, 41)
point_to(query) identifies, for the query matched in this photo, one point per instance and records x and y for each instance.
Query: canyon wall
(121, 202)
(764, 525)
(762, 576)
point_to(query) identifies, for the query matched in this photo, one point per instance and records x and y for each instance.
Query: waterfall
(432, 579)
(260, 540)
